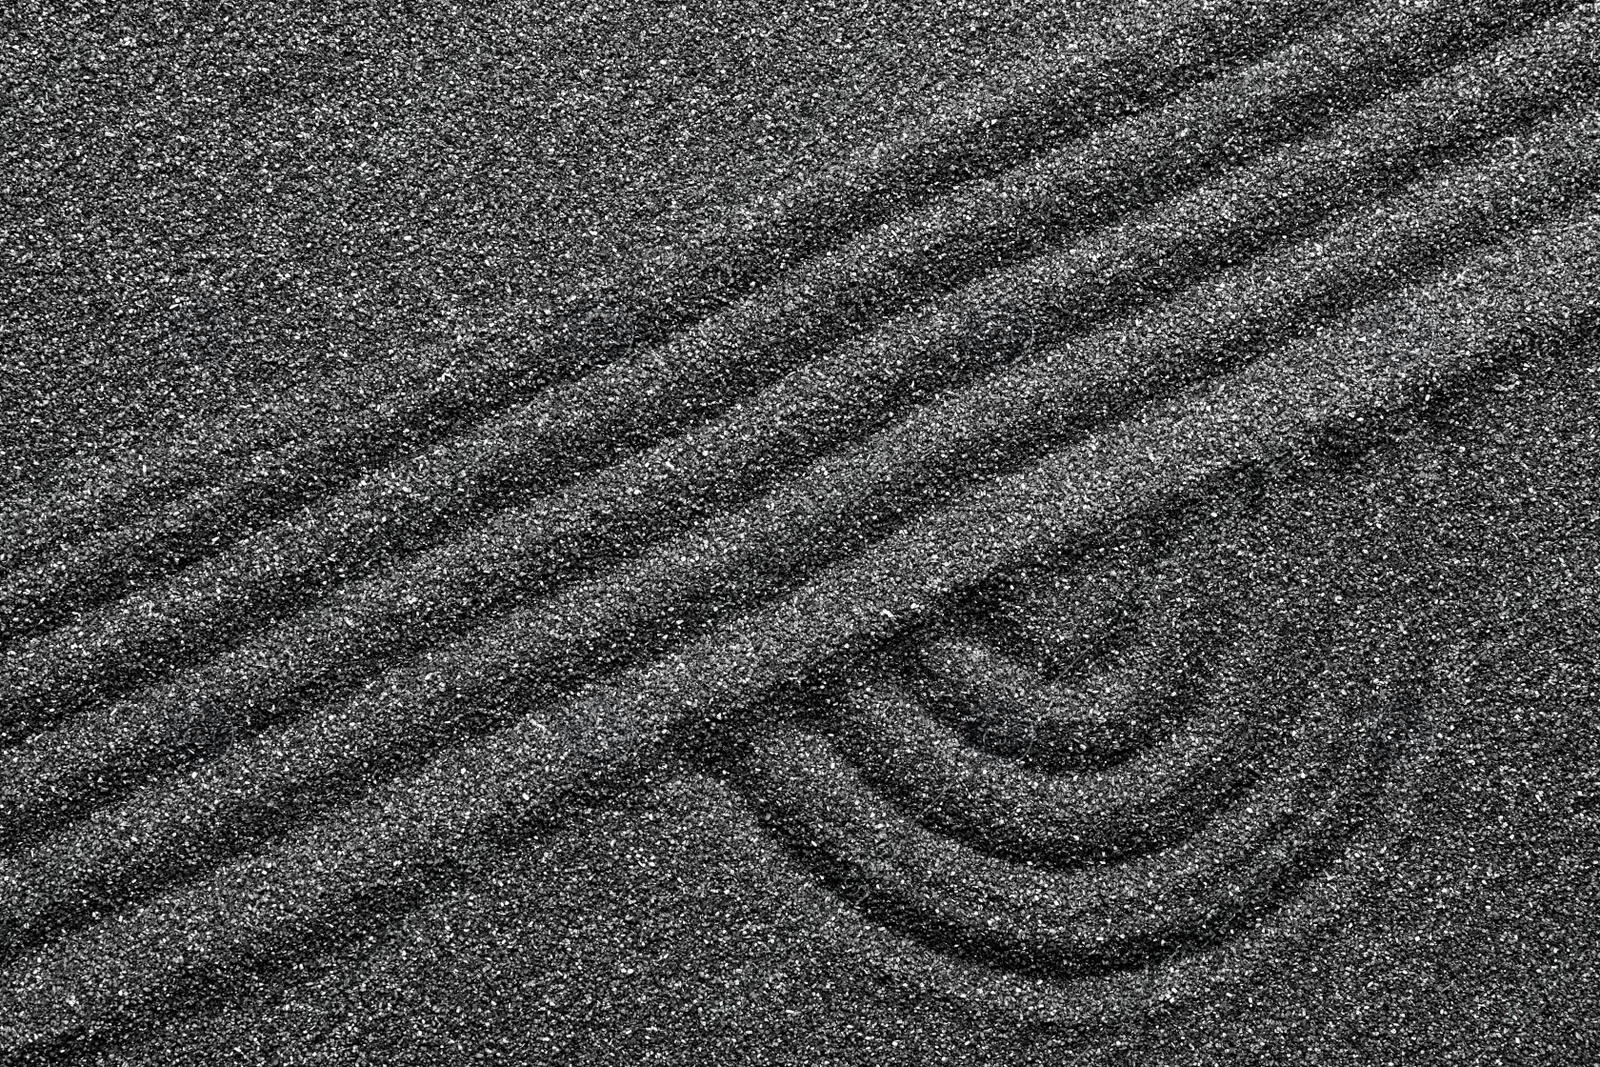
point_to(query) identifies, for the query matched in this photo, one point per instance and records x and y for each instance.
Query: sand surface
(809, 534)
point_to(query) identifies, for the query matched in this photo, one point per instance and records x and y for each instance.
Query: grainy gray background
(205, 205)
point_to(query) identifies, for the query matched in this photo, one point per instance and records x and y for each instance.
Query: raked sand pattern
(951, 503)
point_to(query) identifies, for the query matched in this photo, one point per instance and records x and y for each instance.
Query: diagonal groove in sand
(980, 226)
(844, 393)
(265, 476)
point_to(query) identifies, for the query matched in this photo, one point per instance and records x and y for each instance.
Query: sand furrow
(160, 512)
(839, 395)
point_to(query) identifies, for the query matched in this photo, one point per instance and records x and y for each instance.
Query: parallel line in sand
(767, 321)
(845, 393)
(267, 473)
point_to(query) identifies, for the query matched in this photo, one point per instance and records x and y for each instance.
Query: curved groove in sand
(1236, 868)
(1005, 708)
(1058, 821)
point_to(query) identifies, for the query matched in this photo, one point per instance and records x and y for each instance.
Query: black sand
(817, 535)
